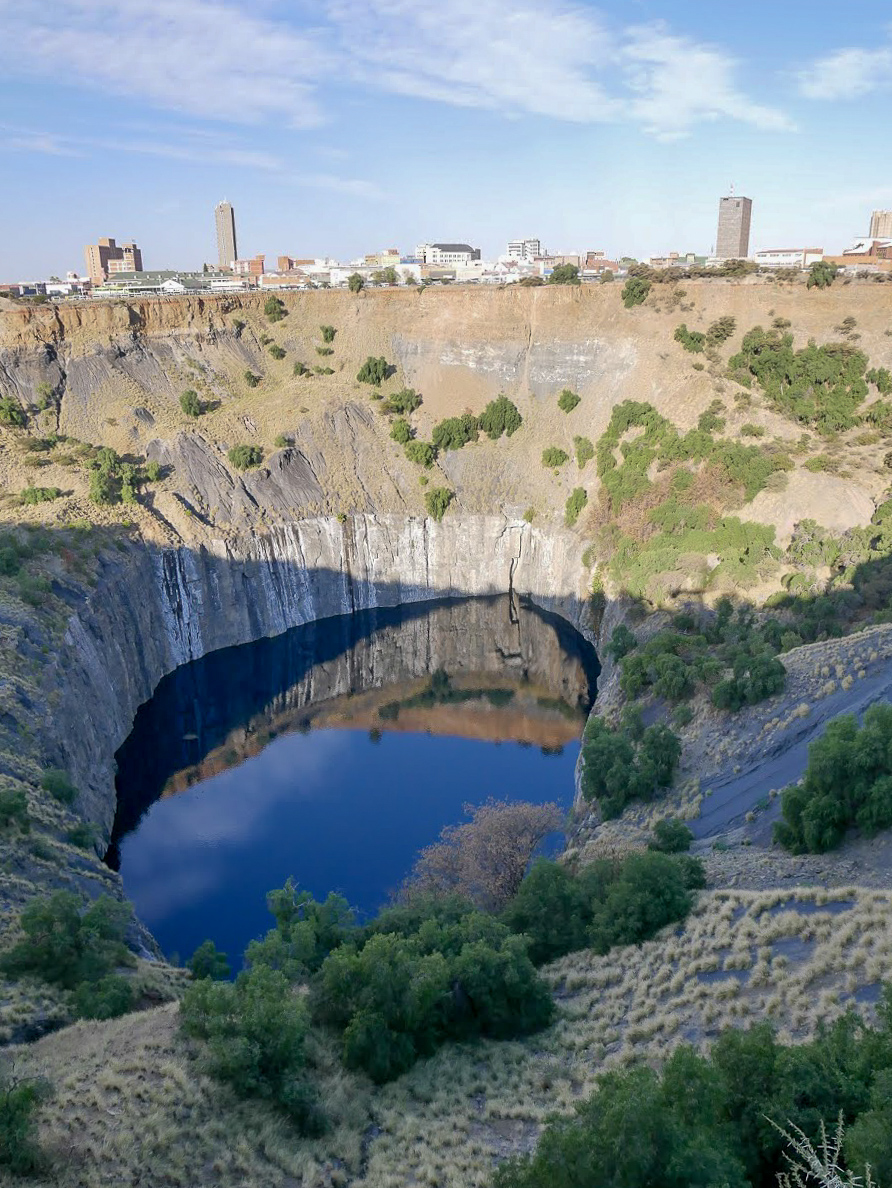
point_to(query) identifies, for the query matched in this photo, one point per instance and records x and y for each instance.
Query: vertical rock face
(162, 608)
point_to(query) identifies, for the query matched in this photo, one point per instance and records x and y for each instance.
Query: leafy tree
(484, 860)
(190, 404)
(19, 1100)
(373, 371)
(553, 908)
(650, 892)
(305, 932)
(65, 943)
(821, 275)
(575, 504)
(721, 330)
(274, 309)
(386, 276)
(564, 274)
(401, 431)
(154, 471)
(553, 457)
(404, 402)
(208, 962)
(691, 340)
(421, 452)
(437, 500)
(243, 457)
(607, 276)
(355, 283)
(568, 400)
(635, 291)
(254, 1032)
(455, 432)
(670, 836)
(627, 763)
(500, 416)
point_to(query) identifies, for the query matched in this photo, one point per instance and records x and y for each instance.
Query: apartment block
(881, 224)
(446, 254)
(524, 249)
(106, 256)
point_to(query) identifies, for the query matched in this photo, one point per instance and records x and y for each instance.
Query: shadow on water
(441, 682)
(240, 698)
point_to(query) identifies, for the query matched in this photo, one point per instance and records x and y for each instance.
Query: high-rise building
(524, 249)
(105, 257)
(881, 224)
(227, 251)
(733, 239)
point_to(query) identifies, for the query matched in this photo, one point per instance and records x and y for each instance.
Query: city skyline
(573, 123)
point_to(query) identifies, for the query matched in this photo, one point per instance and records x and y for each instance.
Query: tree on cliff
(821, 275)
(355, 283)
(485, 859)
(564, 274)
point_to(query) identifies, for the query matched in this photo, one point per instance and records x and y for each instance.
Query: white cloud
(847, 74)
(223, 60)
(681, 83)
(199, 56)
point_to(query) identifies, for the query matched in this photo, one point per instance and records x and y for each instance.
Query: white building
(524, 249)
(788, 257)
(446, 254)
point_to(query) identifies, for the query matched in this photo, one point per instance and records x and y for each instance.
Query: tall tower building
(733, 239)
(881, 224)
(226, 245)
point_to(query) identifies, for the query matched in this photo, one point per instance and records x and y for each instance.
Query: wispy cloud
(219, 60)
(848, 73)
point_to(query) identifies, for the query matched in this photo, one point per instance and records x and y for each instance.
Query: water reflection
(336, 751)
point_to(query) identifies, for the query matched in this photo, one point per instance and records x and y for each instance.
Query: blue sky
(344, 126)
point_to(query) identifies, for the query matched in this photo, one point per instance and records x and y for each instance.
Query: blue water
(336, 808)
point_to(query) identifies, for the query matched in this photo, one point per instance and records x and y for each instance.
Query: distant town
(115, 270)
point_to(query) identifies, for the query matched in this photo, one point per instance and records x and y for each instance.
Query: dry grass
(130, 1098)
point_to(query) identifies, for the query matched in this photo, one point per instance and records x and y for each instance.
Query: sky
(340, 127)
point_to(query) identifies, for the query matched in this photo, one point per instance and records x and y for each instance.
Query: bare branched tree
(485, 859)
(819, 1167)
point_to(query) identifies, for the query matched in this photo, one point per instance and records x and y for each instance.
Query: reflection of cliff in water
(493, 668)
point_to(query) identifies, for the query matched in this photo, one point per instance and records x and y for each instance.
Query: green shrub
(437, 500)
(404, 402)
(304, 934)
(238, 325)
(108, 998)
(691, 340)
(190, 404)
(329, 371)
(265, 339)
(848, 781)
(276, 351)
(32, 495)
(251, 379)
(274, 309)
(243, 457)
(529, 515)
(750, 430)
(553, 457)
(66, 944)
(373, 371)
(671, 836)
(882, 377)
(401, 431)
(154, 472)
(421, 452)
(81, 835)
(575, 504)
(622, 641)
(627, 763)
(19, 1099)
(11, 412)
(500, 416)
(324, 351)
(585, 451)
(300, 369)
(208, 962)
(14, 810)
(55, 781)
(282, 441)
(328, 333)
(635, 291)
(455, 432)
(568, 400)
(721, 330)
(821, 275)
(254, 1032)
